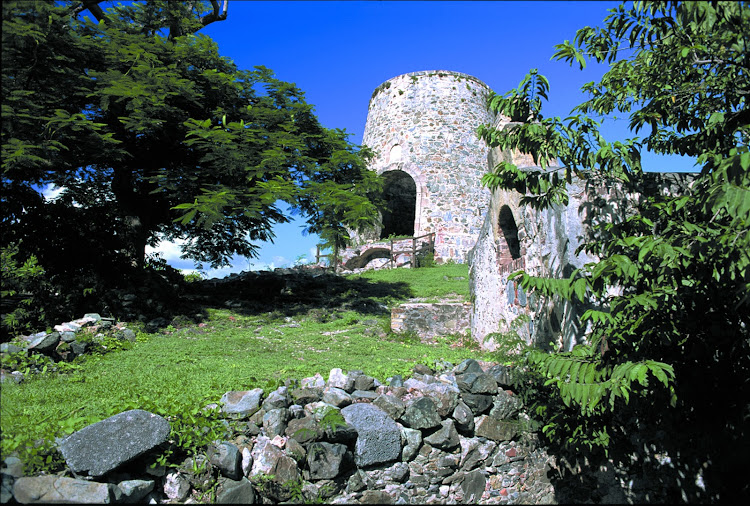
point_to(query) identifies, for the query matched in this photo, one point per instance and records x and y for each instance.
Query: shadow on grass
(291, 292)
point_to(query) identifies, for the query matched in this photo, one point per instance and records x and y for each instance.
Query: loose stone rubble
(454, 437)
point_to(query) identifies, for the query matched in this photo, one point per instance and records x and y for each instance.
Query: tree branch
(215, 16)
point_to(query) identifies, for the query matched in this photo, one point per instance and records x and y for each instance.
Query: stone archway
(509, 246)
(400, 195)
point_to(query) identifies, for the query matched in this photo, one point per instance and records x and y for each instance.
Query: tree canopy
(672, 350)
(157, 136)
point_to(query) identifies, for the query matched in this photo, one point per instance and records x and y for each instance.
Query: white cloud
(51, 192)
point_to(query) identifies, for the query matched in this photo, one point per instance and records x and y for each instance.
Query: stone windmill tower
(422, 126)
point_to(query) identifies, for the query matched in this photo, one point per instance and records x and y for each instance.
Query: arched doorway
(400, 195)
(509, 247)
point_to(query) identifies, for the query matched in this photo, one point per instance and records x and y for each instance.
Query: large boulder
(59, 489)
(379, 437)
(104, 446)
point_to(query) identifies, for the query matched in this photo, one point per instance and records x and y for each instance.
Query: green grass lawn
(185, 367)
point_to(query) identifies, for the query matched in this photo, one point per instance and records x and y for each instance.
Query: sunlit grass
(187, 368)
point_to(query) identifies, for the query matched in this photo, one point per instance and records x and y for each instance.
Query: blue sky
(339, 52)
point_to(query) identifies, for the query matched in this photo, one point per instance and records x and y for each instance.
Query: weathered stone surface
(474, 452)
(326, 460)
(304, 430)
(235, 492)
(242, 403)
(376, 497)
(337, 379)
(103, 446)
(176, 486)
(467, 366)
(264, 456)
(364, 382)
(478, 403)
(421, 414)
(391, 404)
(444, 395)
(379, 438)
(59, 489)
(134, 491)
(504, 375)
(45, 343)
(304, 396)
(275, 421)
(472, 487)
(316, 381)
(497, 430)
(364, 396)
(284, 472)
(505, 406)
(226, 457)
(430, 320)
(412, 439)
(445, 438)
(278, 399)
(464, 418)
(476, 383)
(337, 397)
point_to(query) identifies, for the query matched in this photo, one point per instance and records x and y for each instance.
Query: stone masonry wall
(432, 320)
(548, 240)
(424, 123)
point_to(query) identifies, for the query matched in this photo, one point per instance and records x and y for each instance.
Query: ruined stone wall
(424, 124)
(547, 243)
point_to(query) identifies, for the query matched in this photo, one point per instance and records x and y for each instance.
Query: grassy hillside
(308, 329)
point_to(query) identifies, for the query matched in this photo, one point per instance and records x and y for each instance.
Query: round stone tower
(422, 126)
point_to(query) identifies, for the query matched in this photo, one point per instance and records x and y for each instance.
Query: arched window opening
(395, 155)
(400, 195)
(508, 243)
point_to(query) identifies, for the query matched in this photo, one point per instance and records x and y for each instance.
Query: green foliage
(158, 137)
(20, 282)
(671, 292)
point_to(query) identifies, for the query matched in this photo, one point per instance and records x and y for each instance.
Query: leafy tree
(672, 351)
(154, 135)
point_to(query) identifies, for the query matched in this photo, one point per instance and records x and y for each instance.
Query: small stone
(337, 397)
(176, 486)
(135, 490)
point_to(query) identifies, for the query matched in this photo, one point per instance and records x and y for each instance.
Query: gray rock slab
(497, 430)
(337, 397)
(478, 403)
(421, 414)
(226, 457)
(45, 343)
(243, 403)
(505, 406)
(379, 438)
(59, 489)
(412, 442)
(103, 446)
(390, 404)
(473, 486)
(445, 438)
(444, 395)
(235, 492)
(468, 365)
(326, 460)
(135, 490)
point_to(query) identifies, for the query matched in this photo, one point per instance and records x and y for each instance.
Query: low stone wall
(430, 320)
(459, 436)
